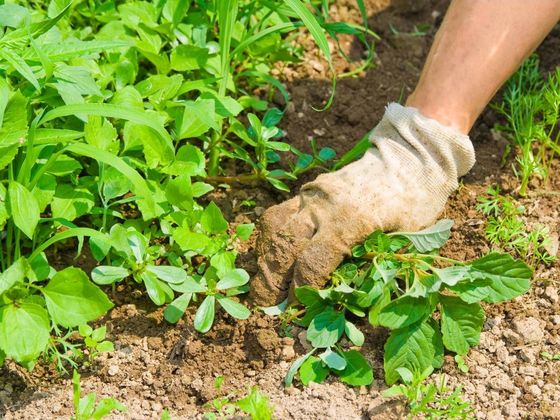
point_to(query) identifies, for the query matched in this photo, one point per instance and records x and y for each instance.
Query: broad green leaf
(204, 317)
(256, 404)
(15, 273)
(235, 309)
(168, 273)
(24, 331)
(112, 111)
(416, 347)
(223, 262)
(158, 291)
(39, 268)
(106, 406)
(354, 334)
(189, 161)
(307, 295)
(461, 324)
(73, 300)
(430, 238)
(404, 311)
(188, 57)
(106, 274)
(100, 133)
(176, 309)
(44, 191)
(212, 220)
(233, 278)
(244, 230)
(295, 367)
(451, 275)
(358, 371)
(141, 188)
(178, 192)
(313, 370)
(138, 244)
(332, 359)
(326, 329)
(197, 118)
(23, 207)
(190, 241)
(510, 278)
(201, 188)
(70, 202)
(114, 183)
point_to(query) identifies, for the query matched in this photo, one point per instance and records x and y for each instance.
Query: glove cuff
(450, 149)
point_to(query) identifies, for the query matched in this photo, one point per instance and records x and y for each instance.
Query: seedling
(431, 303)
(507, 231)
(255, 404)
(95, 341)
(551, 357)
(87, 407)
(432, 400)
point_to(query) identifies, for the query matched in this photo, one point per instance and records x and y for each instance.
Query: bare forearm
(479, 45)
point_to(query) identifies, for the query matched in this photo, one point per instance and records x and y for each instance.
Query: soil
(157, 366)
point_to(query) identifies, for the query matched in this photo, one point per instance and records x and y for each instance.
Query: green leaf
(24, 331)
(461, 324)
(451, 275)
(295, 367)
(168, 273)
(73, 300)
(106, 274)
(23, 207)
(212, 220)
(326, 153)
(313, 370)
(358, 371)
(244, 230)
(19, 64)
(235, 309)
(158, 291)
(404, 311)
(197, 118)
(510, 278)
(190, 285)
(416, 347)
(13, 274)
(204, 317)
(106, 406)
(307, 295)
(176, 309)
(70, 202)
(332, 359)
(430, 238)
(188, 57)
(233, 278)
(354, 334)
(201, 188)
(256, 404)
(326, 329)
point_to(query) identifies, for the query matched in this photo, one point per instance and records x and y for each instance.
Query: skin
(478, 46)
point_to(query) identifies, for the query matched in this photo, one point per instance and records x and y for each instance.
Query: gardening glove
(400, 184)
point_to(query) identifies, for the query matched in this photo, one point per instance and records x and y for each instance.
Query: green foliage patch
(430, 304)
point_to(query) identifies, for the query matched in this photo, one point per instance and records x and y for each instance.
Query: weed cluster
(506, 230)
(430, 303)
(115, 120)
(531, 107)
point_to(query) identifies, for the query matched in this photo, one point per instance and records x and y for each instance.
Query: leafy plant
(548, 356)
(95, 341)
(115, 119)
(508, 231)
(429, 302)
(255, 404)
(531, 107)
(432, 400)
(86, 407)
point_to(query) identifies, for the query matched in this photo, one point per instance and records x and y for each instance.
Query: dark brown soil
(157, 366)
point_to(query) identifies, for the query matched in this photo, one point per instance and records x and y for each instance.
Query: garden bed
(158, 366)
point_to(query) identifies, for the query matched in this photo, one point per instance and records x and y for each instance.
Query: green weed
(430, 303)
(506, 230)
(87, 407)
(531, 107)
(115, 121)
(255, 404)
(432, 400)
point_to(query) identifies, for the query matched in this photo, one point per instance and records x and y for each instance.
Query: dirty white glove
(400, 184)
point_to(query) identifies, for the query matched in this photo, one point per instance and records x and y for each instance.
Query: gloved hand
(400, 184)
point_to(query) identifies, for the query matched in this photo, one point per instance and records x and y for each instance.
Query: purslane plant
(430, 303)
